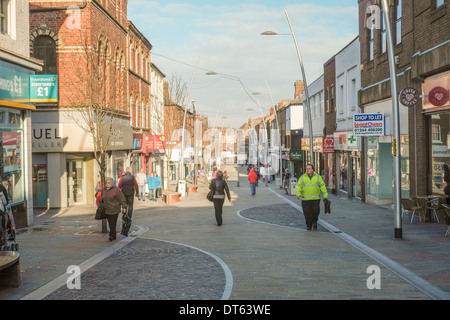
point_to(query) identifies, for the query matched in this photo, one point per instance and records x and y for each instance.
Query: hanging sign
(409, 97)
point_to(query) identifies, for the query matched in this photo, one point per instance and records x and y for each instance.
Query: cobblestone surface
(150, 270)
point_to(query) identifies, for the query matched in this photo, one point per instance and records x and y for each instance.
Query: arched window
(44, 48)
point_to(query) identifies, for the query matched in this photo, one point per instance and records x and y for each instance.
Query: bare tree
(170, 119)
(95, 99)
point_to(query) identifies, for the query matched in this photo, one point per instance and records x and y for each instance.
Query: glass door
(74, 181)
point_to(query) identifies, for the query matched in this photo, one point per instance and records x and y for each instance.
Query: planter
(192, 189)
(173, 197)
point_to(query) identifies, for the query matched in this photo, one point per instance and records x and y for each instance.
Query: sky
(191, 38)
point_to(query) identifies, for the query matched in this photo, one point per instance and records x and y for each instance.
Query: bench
(9, 269)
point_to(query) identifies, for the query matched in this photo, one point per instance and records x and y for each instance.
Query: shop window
(11, 166)
(440, 152)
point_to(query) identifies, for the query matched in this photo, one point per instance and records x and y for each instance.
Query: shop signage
(409, 97)
(14, 82)
(44, 88)
(328, 145)
(438, 96)
(153, 142)
(47, 137)
(296, 155)
(368, 124)
(436, 92)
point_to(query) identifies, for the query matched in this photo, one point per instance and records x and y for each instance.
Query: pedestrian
(214, 175)
(287, 177)
(309, 187)
(98, 193)
(129, 187)
(152, 186)
(158, 185)
(219, 186)
(253, 179)
(141, 179)
(114, 202)
(225, 175)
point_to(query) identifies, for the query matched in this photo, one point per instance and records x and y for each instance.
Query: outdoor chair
(434, 205)
(412, 206)
(447, 212)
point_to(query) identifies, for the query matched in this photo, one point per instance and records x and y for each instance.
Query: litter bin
(182, 187)
(292, 184)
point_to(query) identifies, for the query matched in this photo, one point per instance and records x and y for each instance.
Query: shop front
(330, 164)
(348, 163)
(63, 153)
(436, 106)
(15, 146)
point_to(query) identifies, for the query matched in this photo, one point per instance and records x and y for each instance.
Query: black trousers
(218, 205)
(112, 222)
(311, 211)
(130, 202)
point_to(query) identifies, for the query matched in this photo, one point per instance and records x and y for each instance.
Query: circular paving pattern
(148, 269)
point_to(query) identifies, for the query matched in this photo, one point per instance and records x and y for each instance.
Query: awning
(17, 105)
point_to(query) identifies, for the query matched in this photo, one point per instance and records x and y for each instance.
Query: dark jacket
(219, 187)
(128, 185)
(113, 200)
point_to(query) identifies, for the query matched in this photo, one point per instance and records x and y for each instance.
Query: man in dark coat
(130, 188)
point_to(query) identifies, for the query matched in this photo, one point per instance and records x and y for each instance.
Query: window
(382, 34)
(4, 16)
(371, 44)
(436, 133)
(398, 23)
(439, 3)
(44, 48)
(327, 99)
(353, 93)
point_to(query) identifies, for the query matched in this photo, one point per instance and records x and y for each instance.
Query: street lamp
(209, 73)
(396, 124)
(271, 33)
(264, 137)
(278, 125)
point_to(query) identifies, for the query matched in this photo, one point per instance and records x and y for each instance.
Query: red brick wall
(95, 25)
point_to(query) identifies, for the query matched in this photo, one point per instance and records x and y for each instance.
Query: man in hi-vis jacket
(309, 187)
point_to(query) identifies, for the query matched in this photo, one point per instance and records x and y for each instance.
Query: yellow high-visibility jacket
(309, 189)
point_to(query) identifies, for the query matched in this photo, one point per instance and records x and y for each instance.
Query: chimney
(299, 87)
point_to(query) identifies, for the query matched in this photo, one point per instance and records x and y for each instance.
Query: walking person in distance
(219, 187)
(253, 179)
(309, 187)
(114, 203)
(141, 179)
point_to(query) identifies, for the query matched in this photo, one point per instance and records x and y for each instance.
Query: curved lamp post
(210, 73)
(271, 33)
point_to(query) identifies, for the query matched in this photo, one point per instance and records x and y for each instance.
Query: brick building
(421, 31)
(85, 44)
(17, 69)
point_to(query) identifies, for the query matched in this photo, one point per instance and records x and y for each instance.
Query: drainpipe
(57, 8)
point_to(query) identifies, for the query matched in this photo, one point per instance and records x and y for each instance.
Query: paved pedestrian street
(261, 252)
